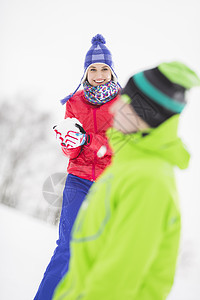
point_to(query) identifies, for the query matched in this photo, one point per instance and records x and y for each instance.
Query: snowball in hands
(69, 133)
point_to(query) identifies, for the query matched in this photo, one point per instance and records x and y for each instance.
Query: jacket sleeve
(71, 153)
(140, 253)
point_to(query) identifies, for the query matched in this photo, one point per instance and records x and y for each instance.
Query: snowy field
(27, 245)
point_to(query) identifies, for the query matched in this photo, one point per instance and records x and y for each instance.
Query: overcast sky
(44, 42)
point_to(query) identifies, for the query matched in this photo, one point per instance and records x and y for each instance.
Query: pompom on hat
(159, 93)
(98, 53)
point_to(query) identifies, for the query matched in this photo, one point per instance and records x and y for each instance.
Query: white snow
(27, 245)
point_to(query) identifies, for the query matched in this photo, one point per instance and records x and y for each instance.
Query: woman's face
(98, 74)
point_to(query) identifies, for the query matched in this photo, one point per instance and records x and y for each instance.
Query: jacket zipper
(95, 131)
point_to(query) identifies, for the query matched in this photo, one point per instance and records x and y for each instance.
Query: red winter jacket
(96, 119)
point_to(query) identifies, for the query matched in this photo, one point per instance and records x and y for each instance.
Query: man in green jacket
(126, 237)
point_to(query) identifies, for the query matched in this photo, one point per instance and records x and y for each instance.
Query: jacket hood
(160, 141)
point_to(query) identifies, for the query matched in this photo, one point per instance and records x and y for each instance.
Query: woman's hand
(70, 133)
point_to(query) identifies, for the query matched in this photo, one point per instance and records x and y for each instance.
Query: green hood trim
(161, 141)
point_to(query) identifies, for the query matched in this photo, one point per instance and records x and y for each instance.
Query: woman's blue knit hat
(98, 53)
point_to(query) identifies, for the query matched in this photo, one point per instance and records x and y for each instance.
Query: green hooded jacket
(126, 237)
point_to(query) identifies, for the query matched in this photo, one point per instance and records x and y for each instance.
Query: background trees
(30, 158)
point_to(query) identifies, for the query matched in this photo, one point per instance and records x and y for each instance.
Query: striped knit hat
(98, 53)
(159, 93)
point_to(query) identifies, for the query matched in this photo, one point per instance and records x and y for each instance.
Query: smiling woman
(98, 74)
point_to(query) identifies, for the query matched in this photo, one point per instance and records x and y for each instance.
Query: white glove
(70, 132)
(75, 139)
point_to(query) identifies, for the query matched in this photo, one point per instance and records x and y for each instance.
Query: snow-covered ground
(27, 245)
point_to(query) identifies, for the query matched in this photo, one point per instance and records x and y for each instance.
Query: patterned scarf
(100, 94)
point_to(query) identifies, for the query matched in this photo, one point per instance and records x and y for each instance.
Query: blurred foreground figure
(125, 240)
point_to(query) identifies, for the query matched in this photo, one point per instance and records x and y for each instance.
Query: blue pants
(73, 195)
